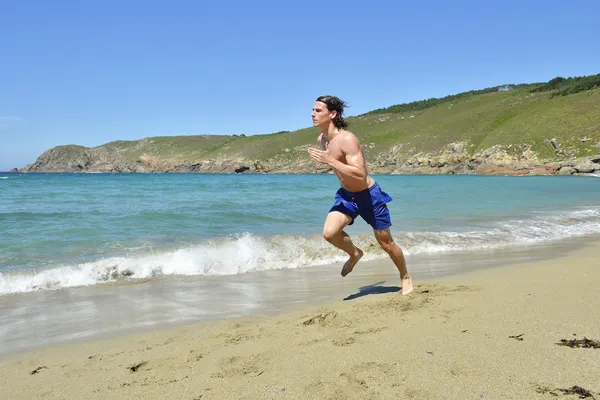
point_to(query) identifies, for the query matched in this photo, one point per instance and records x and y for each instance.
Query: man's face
(321, 115)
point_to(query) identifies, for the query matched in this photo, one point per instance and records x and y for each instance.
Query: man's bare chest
(336, 152)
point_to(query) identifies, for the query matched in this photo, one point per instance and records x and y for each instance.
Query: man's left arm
(354, 167)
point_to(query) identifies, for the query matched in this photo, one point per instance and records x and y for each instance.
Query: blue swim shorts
(370, 204)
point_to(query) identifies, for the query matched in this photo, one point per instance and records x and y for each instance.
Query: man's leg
(333, 232)
(384, 238)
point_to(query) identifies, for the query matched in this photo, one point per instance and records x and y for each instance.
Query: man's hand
(320, 156)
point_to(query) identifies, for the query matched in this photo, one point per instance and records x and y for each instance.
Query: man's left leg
(385, 240)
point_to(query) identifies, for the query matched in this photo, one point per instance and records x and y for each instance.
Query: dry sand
(490, 334)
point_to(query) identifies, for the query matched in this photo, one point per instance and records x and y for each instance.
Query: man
(359, 194)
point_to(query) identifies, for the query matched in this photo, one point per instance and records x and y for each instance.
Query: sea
(88, 255)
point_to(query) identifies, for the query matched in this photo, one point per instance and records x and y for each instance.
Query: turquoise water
(69, 230)
(94, 255)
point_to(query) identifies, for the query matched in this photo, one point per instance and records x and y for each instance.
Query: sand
(489, 334)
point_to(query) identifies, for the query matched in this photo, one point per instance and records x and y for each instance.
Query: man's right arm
(354, 167)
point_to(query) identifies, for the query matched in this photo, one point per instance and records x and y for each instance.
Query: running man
(359, 194)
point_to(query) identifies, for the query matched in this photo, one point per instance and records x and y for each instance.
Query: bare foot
(349, 266)
(407, 285)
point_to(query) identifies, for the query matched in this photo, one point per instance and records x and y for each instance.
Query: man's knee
(329, 233)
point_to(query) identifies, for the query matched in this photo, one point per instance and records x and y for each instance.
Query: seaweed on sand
(573, 390)
(584, 343)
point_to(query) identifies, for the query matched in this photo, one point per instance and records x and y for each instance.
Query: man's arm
(354, 167)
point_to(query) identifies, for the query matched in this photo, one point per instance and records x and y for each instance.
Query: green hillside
(557, 120)
(525, 114)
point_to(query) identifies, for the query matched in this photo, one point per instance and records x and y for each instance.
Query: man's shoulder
(349, 142)
(349, 136)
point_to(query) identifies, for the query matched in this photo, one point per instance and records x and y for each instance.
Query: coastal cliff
(546, 128)
(453, 159)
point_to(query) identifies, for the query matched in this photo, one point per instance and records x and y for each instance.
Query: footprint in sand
(235, 367)
(237, 337)
(423, 296)
(328, 319)
(369, 380)
(460, 370)
(327, 390)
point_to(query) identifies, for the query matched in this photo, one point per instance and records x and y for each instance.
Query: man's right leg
(333, 232)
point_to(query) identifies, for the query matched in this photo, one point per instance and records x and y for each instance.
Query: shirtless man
(359, 194)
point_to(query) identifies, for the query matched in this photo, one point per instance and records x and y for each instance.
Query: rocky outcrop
(14, 170)
(61, 159)
(454, 158)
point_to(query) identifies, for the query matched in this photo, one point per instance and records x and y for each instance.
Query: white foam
(237, 255)
(247, 253)
(545, 227)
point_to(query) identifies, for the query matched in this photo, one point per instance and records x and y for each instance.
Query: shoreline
(46, 318)
(489, 333)
(487, 171)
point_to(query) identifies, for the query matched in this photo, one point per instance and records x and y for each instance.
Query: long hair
(335, 104)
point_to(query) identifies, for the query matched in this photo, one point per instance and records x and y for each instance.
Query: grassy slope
(509, 117)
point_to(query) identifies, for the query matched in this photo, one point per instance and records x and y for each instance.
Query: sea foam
(248, 253)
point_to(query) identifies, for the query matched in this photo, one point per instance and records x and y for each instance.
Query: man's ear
(333, 115)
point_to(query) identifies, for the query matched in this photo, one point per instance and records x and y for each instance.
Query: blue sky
(74, 72)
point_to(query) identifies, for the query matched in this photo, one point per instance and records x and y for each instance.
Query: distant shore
(566, 168)
(501, 333)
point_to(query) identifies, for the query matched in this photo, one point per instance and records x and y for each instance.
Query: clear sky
(79, 72)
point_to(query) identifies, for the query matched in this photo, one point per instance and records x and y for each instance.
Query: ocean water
(83, 255)
(68, 230)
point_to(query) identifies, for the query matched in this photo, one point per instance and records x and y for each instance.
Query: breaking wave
(247, 253)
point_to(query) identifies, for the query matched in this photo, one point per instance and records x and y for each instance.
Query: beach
(492, 333)
(169, 229)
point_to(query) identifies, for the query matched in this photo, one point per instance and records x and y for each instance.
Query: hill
(542, 128)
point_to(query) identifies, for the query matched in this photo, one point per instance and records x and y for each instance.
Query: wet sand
(486, 334)
(45, 318)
